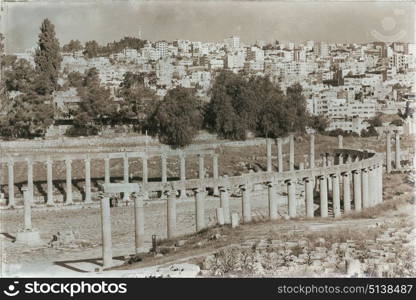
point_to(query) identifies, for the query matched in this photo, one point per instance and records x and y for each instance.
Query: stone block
(30, 238)
(235, 220)
(220, 216)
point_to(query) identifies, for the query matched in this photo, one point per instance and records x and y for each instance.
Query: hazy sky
(104, 21)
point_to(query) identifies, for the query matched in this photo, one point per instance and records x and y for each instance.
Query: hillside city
(348, 84)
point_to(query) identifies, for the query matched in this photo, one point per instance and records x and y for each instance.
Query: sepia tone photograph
(207, 139)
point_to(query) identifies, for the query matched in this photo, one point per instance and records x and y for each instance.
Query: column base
(30, 238)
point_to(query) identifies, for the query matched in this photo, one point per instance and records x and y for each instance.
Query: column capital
(68, 161)
(49, 161)
(307, 179)
(10, 161)
(224, 188)
(272, 183)
(289, 181)
(163, 155)
(29, 160)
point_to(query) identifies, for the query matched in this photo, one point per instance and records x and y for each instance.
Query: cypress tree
(47, 58)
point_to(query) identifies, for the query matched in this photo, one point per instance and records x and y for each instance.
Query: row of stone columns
(367, 192)
(87, 161)
(279, 143)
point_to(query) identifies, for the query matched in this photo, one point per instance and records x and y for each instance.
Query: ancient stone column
(346, 192)
(336, 201)
(225, 205)
(88, 180)
(27, 201)
(380, 184)
(220, 216)
(324, 163)
(291, 152)
(364, 183)
(200, 209)
(107, 170)
(269, 154)
(349, 159)
(139, 222)
(291, 194)
(279, 155)
(323, 190)
(215, 172)
(246, 204)
(340, 141)
(106, 232)
(328, 178)
(10, 171)
(126, 169)
(340, 159)
(397, 164)
(357, 190)
(372, 189)
(30, 178)
(182, 173)
(309, 197)
(125, 175)
(49, 200)
(301, 166)
(201, 172)
(388, 152)
(145, 171)
(164, 168)
(312, 151)
(68, 181)
(273, 207)
(171, 214)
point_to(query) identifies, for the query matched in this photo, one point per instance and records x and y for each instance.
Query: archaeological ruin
(352, 178)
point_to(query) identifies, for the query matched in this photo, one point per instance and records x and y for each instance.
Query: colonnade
(49, 162)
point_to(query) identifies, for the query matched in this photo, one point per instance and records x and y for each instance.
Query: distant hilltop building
(233, 42)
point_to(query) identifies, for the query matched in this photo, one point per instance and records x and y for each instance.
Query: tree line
(238, 104)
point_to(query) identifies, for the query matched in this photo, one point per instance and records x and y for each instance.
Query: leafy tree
(319, 123)
(48, 59)
(371, 131)
(230, 93)
(96, 101)
(91, 49)
(134, 93)
(296, 108)
(375, 122)
(75, 79)
(176, 119)
(21, 77)
(397, 122)
(256, 105)
(28, 116)
(72, 46)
